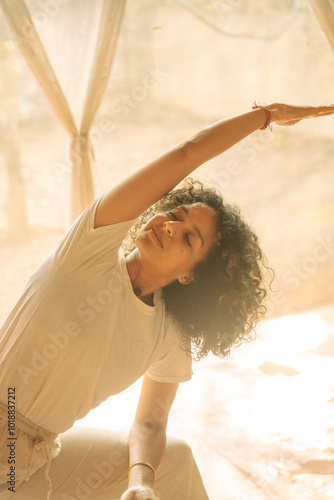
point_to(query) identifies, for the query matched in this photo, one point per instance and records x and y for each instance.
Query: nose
(171, 227)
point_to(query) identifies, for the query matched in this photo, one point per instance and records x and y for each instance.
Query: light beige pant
(91, 465)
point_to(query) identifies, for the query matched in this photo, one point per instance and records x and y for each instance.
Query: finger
(314, 112)
(325, 110)
(327, 106)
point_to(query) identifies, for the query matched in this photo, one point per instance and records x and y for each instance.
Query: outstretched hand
(284, 114)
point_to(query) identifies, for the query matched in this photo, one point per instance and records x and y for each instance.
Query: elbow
(147, 428)
(186, 149)
(147, 433)
(190, 153)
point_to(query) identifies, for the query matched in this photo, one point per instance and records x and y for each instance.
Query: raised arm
(145, 187)
(147, 439)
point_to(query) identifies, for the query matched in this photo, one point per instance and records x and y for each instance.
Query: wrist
(275, 115)
(141, 474)
(266, 112)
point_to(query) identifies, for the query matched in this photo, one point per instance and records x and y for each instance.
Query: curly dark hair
(223, 304)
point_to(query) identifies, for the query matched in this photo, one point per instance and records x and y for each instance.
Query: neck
(144, 284)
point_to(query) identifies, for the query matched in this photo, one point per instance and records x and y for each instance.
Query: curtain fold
(26, 36)
(324, 12)
(111, 19)
(30, 45)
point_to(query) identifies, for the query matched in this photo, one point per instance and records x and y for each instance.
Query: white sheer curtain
(72, 63)
(324, 11)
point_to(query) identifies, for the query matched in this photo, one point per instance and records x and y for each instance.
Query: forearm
(146, 444)
(222, 135)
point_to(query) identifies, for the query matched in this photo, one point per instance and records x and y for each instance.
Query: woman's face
(173, 243)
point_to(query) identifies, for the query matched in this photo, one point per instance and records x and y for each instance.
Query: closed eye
(172, 214)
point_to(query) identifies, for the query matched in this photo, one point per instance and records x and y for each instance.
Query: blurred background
(261, 422)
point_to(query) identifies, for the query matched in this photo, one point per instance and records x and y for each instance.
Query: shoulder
(83, 244)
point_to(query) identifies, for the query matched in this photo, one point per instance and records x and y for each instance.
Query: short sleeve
(85, 245)
(174, 364)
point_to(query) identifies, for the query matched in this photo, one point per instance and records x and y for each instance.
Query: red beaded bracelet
(268, 114)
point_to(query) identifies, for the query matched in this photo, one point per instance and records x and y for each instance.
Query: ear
(186, 280)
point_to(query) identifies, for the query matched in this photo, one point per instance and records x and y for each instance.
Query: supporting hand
(139, 493)
(284, 114)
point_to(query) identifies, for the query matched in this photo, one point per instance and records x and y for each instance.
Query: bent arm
(147, 439)
(145, 187)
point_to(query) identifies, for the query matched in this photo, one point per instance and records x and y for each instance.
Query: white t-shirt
(78, 334)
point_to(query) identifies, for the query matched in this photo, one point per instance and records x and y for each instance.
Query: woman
(89, 323)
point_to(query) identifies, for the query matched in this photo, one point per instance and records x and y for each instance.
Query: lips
(156, 237)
